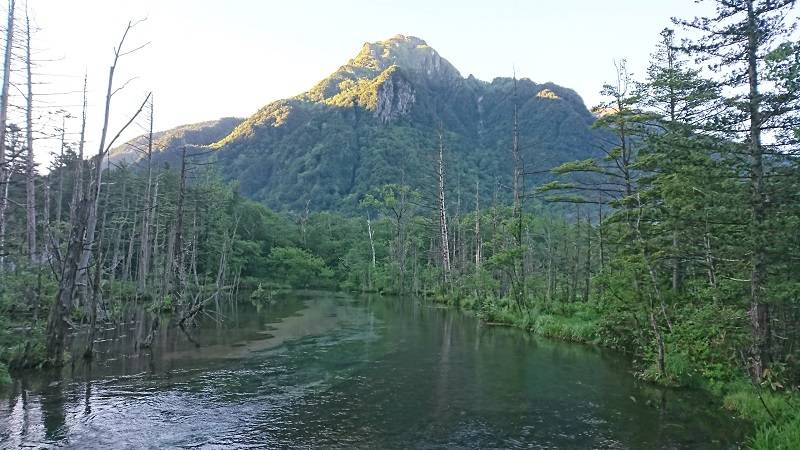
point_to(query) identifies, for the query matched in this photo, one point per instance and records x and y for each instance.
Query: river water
(320, 370)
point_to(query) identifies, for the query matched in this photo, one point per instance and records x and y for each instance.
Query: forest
(676, 245)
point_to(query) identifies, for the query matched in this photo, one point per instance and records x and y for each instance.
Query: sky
(209, 59)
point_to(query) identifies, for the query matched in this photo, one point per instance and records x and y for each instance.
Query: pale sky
(209, 59)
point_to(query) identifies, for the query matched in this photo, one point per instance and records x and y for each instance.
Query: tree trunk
(46, 217)
(759, 310)
(60, 199)
(30, 186)
(94, 191)
(62, 305)
(94, 302)
(445, 245)
(588, 262)
(78, 187)
(144, 246)
(5, 170)
(478, 243)
(662, 369)
(179, 257)
(518, 185)
(677, 270)
(371, 240)
(126, 267)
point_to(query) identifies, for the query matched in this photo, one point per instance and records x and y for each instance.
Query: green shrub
(299, 268)
(577, 328)
(263, 294)
(5, 378)
(167, 304)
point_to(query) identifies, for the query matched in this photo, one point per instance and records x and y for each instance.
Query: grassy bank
(774, 411)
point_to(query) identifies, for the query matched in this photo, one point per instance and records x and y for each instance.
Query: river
(321, 370)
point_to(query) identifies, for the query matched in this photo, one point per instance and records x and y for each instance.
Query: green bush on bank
(299, 268)
(573, 322)
(5, 379)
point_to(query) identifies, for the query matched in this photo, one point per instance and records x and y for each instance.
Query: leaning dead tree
(74, 264)
(94, 191)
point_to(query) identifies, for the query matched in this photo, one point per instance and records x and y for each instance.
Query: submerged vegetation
(676, 241)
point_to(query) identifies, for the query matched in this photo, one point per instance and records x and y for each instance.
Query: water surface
(318, 370)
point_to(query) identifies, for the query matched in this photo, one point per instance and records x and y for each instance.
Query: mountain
(170, 141)
(377, 120)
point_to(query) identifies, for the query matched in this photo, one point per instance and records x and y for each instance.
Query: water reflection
(318, 370)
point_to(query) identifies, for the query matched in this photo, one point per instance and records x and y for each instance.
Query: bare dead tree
(478, 243)
(144, 256)
(30, 172)
(5, 171)
(83, 223)
(518, 187)
(588, 261)
(77, 188)
(59, 312)
(179, 253)
(60, 199)
(371, 239)
(94, 191)
(445, 246)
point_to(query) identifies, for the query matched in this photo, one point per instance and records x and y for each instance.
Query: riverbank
(774, 413)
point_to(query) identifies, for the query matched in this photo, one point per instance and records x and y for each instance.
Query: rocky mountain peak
(410, 54)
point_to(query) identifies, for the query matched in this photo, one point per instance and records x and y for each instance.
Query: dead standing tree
(147, 215)
(478, 243)
(30, 170)
(445, 243)
(5, 169)
(179, 258)
(518, 187)
(94, 191)
(83, 223)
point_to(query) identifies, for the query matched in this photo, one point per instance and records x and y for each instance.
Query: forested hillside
(377, 121)
(167, 144)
